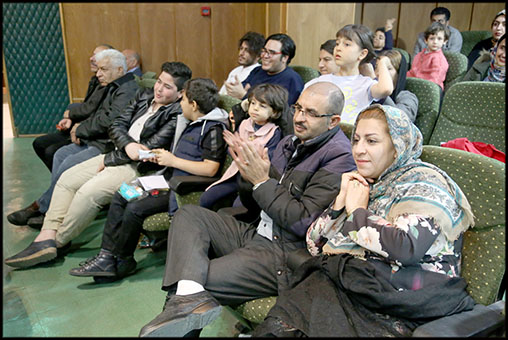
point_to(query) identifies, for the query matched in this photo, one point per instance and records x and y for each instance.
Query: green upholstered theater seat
(472, 109)
(457, 67)
(307, 73)
(471, 38)
(405, 54)
(482, 179)
(428, 94)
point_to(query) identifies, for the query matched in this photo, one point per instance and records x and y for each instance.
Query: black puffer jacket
(93, 131)
(158, 131)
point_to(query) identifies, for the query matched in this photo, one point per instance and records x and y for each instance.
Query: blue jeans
(65, 157)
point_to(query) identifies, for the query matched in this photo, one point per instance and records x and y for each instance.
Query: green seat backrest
(147, 80)
(472, 109)
(307, 73)
(406, 55)
(457, 67)
(428, 94)
(471, 38)
(227, 102)
(347, 129)
(482, 179)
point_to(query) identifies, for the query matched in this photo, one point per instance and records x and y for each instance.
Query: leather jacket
(158, 131)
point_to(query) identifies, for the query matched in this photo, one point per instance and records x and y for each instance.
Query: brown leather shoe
(182, 314)
(22, 216)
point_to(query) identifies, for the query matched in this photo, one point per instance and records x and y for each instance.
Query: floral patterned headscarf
(411, 186)
(496, 72)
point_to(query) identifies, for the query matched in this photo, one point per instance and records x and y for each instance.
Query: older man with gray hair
(90, 136)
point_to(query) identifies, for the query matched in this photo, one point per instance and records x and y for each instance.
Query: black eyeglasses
(310, 113)
(269, 53)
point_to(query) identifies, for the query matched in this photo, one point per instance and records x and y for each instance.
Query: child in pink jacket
(430, 63)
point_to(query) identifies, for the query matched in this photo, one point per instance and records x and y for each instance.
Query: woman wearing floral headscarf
(386, 253)
(489, 66)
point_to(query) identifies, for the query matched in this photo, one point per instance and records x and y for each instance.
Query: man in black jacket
(46, 146)
(213, 258)
(149, 122)
(90, 136)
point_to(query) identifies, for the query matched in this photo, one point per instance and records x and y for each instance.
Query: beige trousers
(79, 195)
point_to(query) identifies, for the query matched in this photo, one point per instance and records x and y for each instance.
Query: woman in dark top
(387, 252)
(498, 29)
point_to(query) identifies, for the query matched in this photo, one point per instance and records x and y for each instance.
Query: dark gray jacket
(93, 99)
(93, 131)
(310, 182)
(158, 131)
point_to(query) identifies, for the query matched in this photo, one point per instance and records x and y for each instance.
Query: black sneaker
(183, 314)
(125, 266)
(103, 264)
(21, 217)
(35, 253)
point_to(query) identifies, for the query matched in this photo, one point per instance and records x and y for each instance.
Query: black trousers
(46, 146)
(124, 223)
(226, 256)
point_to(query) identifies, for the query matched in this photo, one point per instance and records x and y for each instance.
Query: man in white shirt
(249, 52)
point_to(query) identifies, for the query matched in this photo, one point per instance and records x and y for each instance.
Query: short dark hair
(179, 71)
(362, 35)
(440, 11)
(204, 92)
(255, 41)
(328, 46)
(380, 29)
(288, 45)
(435, 28)
(272, 95)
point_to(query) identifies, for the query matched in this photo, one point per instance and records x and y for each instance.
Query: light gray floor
(45, 301)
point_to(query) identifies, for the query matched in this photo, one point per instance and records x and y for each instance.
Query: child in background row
(400, 97)
(430, 63)
(383, 39)
(266, 104)
(354, 47)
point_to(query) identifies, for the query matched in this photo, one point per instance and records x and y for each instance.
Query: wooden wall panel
(316, 23)
(193, 38)
(275, 24)
(375, 15)
(484, 13)
(177, 31)
(414, 18)
(88, 25)
(157, 27)
(460, 14)
(256, 17)
(228, 26)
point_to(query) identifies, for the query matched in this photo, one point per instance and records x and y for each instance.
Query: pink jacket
(259, 137)
(429, 65)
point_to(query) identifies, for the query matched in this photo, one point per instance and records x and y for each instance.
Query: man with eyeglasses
(276, 55)
(215, 259)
